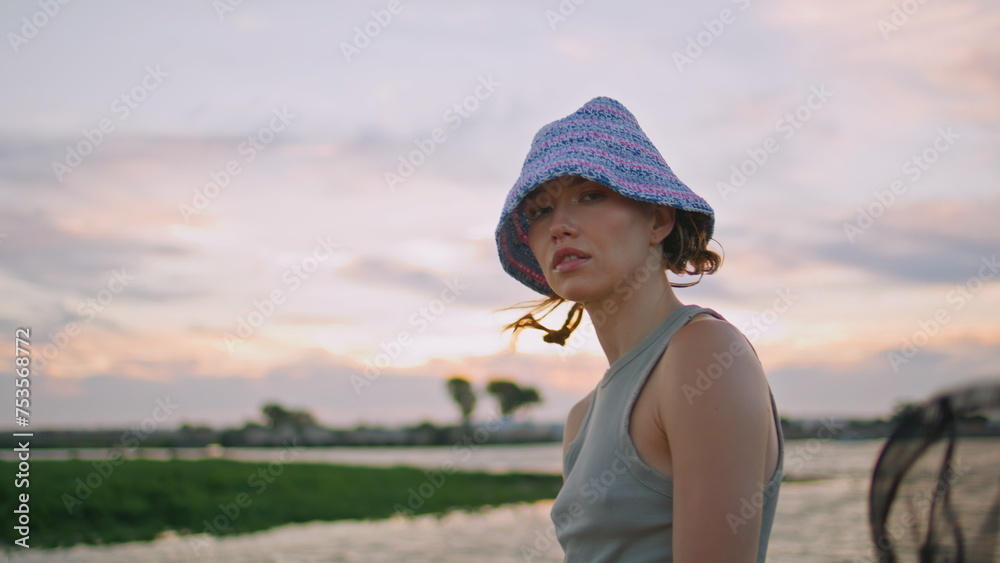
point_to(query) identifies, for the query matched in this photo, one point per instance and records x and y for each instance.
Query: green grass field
(74, 501)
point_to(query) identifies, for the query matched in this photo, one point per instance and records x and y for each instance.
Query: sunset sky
(222, 204)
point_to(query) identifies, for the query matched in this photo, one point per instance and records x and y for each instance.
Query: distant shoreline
(254, 435)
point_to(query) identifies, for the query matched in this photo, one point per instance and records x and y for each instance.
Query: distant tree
(901, 409)
(512, 396)
(278, 416)
(303, 419)
(505, 392)
(529, 398)
(461, 392)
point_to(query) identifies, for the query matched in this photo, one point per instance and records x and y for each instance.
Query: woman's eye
(536, 211)
(591, 196)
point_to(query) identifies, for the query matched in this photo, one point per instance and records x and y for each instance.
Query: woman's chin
(574, 290)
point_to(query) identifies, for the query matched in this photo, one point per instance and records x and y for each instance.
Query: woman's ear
(664, 218)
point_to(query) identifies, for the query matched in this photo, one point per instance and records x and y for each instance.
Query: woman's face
(588, 238)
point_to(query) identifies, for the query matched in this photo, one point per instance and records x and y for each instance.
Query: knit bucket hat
(602, 142)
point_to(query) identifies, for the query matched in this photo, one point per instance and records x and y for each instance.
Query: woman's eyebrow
(534, 195)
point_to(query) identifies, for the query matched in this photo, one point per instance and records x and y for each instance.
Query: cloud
(871, 387)
(924, 243)
(26, 162)
(41, 252)
(378, 271)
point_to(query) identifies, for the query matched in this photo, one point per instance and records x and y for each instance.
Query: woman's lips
(571, 264)
(568, 258)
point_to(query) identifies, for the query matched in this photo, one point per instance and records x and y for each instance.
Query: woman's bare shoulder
(709, 352)
(705, 335)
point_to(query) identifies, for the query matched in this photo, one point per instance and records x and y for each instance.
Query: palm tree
(461, 392)
(512, 396)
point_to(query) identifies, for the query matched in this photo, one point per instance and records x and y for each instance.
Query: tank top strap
(661, 337)
(656, 341)
(665, 333)
(687, 312)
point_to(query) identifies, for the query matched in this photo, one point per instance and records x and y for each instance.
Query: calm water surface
(820, 520)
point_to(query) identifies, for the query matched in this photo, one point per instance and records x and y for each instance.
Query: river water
(821, 515)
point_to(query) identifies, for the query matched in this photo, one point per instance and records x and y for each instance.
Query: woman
(676, 455)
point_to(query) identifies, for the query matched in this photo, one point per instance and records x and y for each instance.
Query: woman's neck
(633, 315)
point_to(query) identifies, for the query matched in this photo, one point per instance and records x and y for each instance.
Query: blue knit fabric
(602, 141)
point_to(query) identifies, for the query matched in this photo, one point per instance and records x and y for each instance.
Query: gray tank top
(613, 506)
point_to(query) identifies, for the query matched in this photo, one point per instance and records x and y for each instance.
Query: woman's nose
(563, 223)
